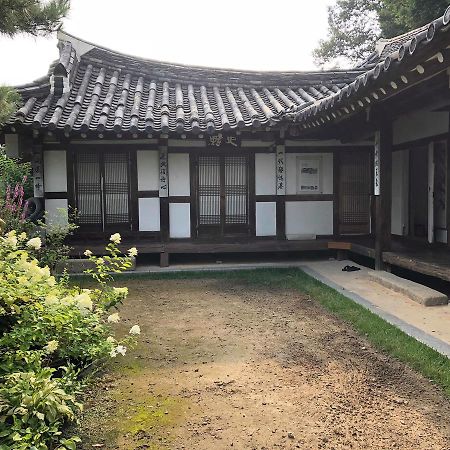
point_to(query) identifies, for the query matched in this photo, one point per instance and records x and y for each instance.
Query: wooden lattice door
(222, 195)
(102, 190)
(355, 184)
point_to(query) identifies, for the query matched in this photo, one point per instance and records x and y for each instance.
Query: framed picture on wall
(309, 175)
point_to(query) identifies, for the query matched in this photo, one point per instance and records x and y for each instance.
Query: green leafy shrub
(50, 333)
(33, 408)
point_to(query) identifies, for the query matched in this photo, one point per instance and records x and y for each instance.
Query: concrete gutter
(418, 334)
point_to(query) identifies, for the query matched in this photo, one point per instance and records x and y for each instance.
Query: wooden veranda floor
(432, 260)
(428, 259)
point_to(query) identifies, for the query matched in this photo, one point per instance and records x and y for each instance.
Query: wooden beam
(383, 191)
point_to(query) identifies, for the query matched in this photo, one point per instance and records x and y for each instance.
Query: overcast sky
(241, 34)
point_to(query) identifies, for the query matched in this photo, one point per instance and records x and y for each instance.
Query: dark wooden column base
(164, 259)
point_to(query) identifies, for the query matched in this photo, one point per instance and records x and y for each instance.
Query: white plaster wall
(179, 183)
(400, 192)
(180, 220)
(306, 219)
(149, 216)
(56, 212)
(420, 124)
(12, 145)
(147, 170)
(291, 171)
(55, 171)
(265, 173)
(266, 219)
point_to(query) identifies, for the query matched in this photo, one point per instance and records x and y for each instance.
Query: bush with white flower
(51, 333)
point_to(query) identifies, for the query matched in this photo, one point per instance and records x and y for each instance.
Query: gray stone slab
(417, 292)
(78, 266)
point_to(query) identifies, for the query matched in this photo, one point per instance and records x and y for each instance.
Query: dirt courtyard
(224, 365)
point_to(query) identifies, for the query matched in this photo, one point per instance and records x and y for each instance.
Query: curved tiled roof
(93, 89)
(420, 53)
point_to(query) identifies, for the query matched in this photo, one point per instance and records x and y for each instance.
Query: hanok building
(183, 159)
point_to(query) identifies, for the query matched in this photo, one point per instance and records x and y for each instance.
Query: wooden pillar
(448, 185)
(164, 191)
(383, 191)
(336, 218)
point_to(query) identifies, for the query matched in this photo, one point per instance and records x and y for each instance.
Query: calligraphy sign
(223, 141)
(280, 170)
(38, 172)
(376, 165)
(163, 173)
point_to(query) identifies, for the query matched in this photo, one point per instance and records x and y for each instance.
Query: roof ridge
(83, 46)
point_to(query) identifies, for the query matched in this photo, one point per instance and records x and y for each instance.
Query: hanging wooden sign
(223, 141)
(38, 175)
(376, 165)
(163, 173)
(281, 170)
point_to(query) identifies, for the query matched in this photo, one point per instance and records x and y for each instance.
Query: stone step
(415, 291)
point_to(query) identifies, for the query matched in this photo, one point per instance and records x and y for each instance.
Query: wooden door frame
(251, 200)
(133, 214)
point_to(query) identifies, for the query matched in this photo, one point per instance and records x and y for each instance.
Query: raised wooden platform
(432, 260)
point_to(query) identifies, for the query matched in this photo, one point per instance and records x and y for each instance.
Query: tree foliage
(9, 101)
(31, 16)
(355, 25)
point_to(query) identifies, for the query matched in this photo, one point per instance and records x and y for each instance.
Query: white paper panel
(291, 171)
(180, 220)
(309, 218)
(55, 171)
(148, 170)
(179, 182)
(265, 174)
(266, 219)
(149, 215)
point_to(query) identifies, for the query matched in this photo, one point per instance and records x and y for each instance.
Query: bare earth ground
(222, 365)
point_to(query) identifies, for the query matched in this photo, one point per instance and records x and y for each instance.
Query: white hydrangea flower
(22, 237)
(116, 238)
(121, 349)
(113, 353)
(110, 340)
(132, 252)
(113, 318)
(84, 301)
(11, 239)
(34, 243)
(87, 253)
(51, 346)
(135, 329)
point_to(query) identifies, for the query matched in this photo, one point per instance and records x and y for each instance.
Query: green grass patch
(384, 336)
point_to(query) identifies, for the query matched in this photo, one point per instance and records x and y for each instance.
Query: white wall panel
(265, 174)
(309, 218)
(400, 188)
(56, 212)
(291, 171)
(55, 171)
(147, 170)
(180, 220)
(266, 219)
(179, 182)
(420, 124)
(149, 215)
